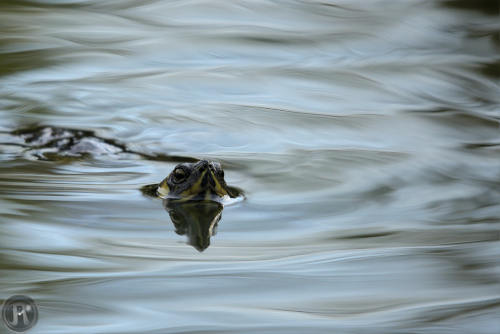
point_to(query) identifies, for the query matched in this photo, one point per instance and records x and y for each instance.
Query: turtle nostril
(200, 166)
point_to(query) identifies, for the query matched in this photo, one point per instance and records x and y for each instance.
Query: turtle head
(200, 180)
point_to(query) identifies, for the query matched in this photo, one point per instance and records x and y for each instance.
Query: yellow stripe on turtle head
(195, 189)
(219, 189)
(163, 189)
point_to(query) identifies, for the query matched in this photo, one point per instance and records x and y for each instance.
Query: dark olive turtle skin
(202, 180)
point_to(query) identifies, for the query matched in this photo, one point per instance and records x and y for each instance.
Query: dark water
(365, 134)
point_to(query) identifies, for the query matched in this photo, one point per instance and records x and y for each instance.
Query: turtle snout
(208, 182)
(202, 165)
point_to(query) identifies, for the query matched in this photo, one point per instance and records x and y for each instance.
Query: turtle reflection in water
(193, 194)
(196, 219)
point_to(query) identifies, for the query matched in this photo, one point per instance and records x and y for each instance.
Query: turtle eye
(179, 175)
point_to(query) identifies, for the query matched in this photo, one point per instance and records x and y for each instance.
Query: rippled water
(365, 136)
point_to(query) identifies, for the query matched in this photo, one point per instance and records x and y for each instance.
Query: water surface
(365, 135)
